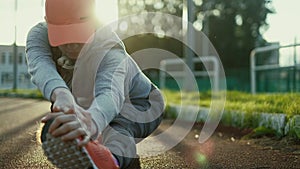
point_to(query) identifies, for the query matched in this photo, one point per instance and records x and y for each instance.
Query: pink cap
(70, 21)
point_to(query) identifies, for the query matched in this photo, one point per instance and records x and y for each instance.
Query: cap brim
(72, 33)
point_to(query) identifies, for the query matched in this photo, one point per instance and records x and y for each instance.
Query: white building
(6, 68)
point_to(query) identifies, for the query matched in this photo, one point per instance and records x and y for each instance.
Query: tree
(234, 27)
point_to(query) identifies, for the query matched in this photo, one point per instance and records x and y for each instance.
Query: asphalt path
(20, 147)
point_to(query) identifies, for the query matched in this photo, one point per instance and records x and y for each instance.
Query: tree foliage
(234, 27)
(163, 26)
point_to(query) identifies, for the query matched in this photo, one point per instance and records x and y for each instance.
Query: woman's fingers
(74, 134)
(85, 140)
(60, 120)
(50, 116)
(65, 128)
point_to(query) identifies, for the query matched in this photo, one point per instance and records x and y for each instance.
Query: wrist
(59, 91)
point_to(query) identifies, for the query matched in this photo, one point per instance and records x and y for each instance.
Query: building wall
(6, 68)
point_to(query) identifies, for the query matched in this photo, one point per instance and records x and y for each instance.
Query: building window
(11, 58)
(20, 59)
(2, 59)
(7, 78)
(24, 80)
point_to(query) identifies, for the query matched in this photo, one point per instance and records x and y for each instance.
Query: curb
(281, 124)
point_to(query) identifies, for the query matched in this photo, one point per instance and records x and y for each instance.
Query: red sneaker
(100, 156)
(68, 155)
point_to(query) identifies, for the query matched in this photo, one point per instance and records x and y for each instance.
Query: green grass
(286, 103)
(23, 93)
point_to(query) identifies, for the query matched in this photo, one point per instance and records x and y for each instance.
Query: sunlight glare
(107, 11)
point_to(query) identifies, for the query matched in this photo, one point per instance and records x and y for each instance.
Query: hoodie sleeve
(109, 88)
(41, 66)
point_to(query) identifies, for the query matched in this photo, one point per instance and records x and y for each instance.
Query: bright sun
(107, 10)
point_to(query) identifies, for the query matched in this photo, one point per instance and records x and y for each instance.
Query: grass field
(286, 103)
(23, 93)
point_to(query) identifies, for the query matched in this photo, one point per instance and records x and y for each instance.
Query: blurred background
(256, 40)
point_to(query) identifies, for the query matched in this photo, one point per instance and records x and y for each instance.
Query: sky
(31, 12)
(284, 25)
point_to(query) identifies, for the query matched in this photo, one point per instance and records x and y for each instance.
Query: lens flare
(200, 158)
(203, 152)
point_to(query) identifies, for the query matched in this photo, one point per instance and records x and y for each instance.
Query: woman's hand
(63, 101)
(71, 126)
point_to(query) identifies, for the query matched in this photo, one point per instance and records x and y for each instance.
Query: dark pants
(122, 134)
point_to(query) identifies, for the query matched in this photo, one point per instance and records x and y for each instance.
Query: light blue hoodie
(106, 80)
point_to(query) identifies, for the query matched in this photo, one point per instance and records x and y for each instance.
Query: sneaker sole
(65, 155)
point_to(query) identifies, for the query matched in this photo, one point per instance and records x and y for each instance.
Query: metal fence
(179, 70)
(281, 58)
